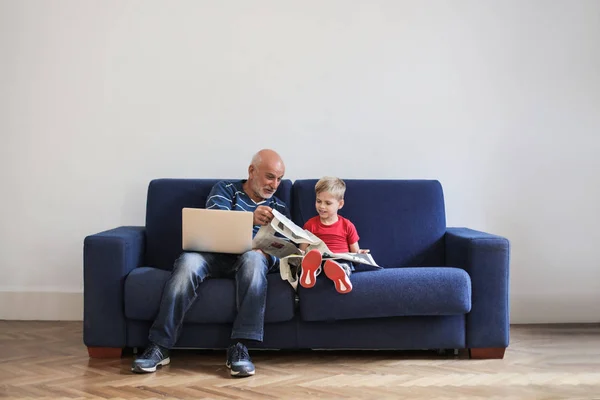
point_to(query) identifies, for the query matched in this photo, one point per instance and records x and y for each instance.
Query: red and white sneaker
(336, 273)
(310, 266)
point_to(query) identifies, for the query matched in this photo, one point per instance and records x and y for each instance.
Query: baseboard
(554, 310)
(41, 306)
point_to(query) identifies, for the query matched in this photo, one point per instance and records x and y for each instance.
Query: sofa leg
(105, 352)
(487, 353)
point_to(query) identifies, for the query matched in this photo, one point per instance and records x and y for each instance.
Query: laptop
(216, 231)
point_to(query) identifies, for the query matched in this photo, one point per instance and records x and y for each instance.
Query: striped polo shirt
(231, 196)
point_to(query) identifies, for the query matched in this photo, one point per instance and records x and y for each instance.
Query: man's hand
(263, 253)
(263, 215)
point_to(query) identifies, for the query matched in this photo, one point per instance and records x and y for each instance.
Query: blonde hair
(333, 185)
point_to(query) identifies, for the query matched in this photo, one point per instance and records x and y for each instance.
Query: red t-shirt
(338, 236)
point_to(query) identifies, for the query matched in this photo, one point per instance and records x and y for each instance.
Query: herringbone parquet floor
(48, 360)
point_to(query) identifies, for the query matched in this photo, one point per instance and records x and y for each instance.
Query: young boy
(337, 232)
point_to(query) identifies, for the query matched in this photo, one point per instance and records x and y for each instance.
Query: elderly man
(249, 270)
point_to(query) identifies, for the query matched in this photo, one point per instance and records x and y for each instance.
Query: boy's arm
(303, 246)
(355, 248)
(352, 237)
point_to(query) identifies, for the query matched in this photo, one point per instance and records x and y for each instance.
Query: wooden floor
(48, 360)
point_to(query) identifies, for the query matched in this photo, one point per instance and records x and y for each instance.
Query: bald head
(264, 174)
(267, 157)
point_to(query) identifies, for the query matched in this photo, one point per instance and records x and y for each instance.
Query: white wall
(499, 100)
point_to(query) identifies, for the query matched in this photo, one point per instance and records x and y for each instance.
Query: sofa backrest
(166, 198)
(402, 222)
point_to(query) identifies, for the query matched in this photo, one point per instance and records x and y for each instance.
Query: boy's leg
(339, 273)
(310, 266)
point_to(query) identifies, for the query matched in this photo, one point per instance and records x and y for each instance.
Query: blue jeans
(250, 273)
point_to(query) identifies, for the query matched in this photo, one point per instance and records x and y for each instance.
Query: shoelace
(151, 351)
(240, 352)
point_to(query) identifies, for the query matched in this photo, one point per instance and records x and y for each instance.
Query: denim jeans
(250, 273)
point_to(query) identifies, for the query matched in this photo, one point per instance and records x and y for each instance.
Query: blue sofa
(441, 288)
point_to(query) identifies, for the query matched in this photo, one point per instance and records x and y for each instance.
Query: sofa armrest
(108, 257)
(485, 258)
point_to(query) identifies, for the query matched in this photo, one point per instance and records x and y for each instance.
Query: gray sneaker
(153, 356)
(239, 361)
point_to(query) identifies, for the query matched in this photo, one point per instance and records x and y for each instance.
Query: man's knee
(254, 257)
(189, 265)
(254, 262)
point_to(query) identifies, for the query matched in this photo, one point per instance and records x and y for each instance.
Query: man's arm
(280, 206)
(220, 196)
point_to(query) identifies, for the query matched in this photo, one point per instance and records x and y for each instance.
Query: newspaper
(280, 237)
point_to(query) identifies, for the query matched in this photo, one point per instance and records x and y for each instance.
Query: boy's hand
(263, 215)
(363, 251)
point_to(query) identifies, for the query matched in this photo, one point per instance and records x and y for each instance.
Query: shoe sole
(337, 274)
(239, 374)
(310, 264)
(141, 370)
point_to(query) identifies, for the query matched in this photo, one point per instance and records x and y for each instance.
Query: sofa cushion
(166, 198)
(402, 222)
(215, 302)
(390, 292)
